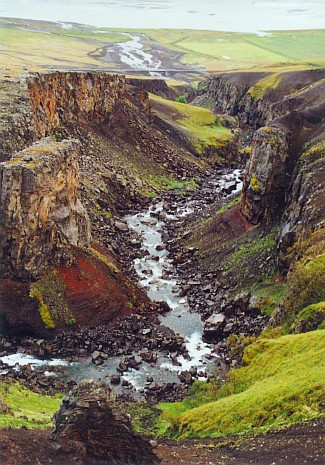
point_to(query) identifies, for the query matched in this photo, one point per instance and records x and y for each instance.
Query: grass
(200, 125)
(283, 384)
(215, 51)
(310, 318)
(40, 50)
(306, 280)
(261, 87)
(270, 294)
(228, 205)
(28, 408)
(143, 417)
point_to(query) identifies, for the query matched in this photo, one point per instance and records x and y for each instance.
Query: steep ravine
(150, 295)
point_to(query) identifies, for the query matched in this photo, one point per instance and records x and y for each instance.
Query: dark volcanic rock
(90, 424)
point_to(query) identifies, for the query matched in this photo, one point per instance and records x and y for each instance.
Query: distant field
(39, 45)
(222, 51)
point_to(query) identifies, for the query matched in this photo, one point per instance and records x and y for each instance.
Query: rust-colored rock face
(40, 209)
(263, 193)
(64, 98)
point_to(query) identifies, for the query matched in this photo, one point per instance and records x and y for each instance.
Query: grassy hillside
(199, 125)
(21, 407)
(282, 384)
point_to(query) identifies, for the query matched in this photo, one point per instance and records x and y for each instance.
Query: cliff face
(306, 200)
(281, 178)
(60, 99)
(45, 229)
(41, 212)
(257, 98)
(263, 194)
(16, 118)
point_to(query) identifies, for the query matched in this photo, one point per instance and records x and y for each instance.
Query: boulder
(90, 425)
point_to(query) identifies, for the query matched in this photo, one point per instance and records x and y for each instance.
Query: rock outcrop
(65, 98)
(16, 118)
(285, 172)
(305, 203)
(41, 214)
(90, 423)
(263, 193)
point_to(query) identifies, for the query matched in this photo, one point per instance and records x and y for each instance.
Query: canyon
(101, 180)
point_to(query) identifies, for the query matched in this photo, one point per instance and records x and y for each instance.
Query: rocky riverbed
(157, 353)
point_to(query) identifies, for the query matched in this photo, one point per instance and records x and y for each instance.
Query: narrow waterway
(157, 276)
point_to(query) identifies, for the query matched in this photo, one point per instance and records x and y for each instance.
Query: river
(158, 277)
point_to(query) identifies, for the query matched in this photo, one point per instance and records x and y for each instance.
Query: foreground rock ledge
(89, 425)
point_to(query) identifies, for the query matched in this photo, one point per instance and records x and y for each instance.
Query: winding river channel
(157, 276)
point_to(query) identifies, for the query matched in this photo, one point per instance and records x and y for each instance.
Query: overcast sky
(232, 15)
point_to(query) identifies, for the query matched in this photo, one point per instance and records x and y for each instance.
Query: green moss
(49, 290)
(143, 417)
(258, 90)
(270, 294)
(310, 318)
(28, 408)
(254, 183)
(283, 384)
(314, 152)
(247, 250)
(43, 308)
(181, 99)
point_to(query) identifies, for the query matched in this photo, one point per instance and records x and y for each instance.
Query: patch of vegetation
(283, 384)
(28, 408)
(166, 183)
(253, 246)
(254, 183)
(44, 50)
(224, 51)
(143, 417)
(49, 290)
(103, 258)
(228, 205)
(310, 318)
(258, 90)
(181, 99)
(270, 294)
(314, 152)
(201, 126)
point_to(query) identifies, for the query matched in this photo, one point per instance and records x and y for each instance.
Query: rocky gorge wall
(45, 231)
(287, 112)
(64, 98)
(41, 213)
